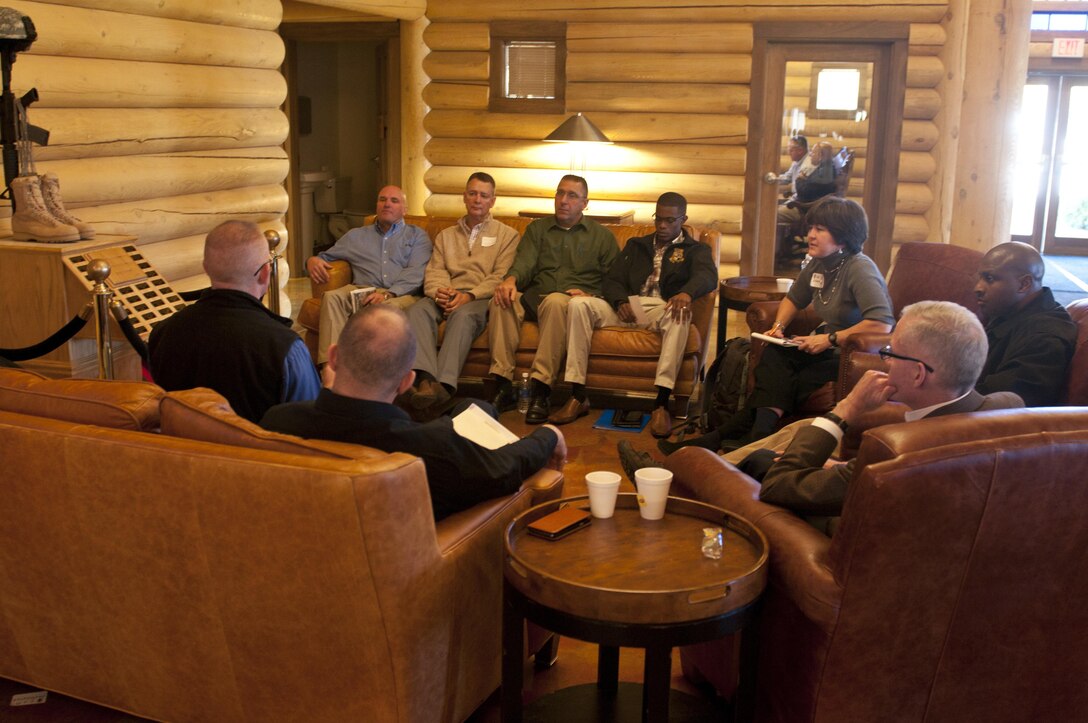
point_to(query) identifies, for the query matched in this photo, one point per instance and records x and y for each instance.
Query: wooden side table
(740, 292)
(629, 582)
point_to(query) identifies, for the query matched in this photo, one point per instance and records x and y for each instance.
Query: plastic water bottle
(523, 393)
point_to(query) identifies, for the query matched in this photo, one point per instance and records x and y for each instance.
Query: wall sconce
(577, 130)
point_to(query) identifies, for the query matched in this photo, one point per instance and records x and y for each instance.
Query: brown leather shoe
(660, 423)
(570, 411)
(429, 394)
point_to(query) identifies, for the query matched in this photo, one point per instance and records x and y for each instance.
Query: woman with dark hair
(848, 293)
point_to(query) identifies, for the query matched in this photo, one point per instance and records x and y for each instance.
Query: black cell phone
(627, 418)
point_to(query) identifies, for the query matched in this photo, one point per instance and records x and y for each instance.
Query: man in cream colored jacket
(467, 263)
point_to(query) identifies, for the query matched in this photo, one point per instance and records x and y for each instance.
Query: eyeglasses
(886, 353)
(668, 219)
(266, 263)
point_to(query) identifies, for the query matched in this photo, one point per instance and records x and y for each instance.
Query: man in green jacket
(560, 257)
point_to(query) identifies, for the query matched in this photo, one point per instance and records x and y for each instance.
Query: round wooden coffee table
(629, 582)
(740, 292)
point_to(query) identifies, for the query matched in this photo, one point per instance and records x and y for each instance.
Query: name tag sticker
(817, 281)
(486, 241)
(33, 698)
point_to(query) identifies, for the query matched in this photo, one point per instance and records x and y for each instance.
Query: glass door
(1050, 210)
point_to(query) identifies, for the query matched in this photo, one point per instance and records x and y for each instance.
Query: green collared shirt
(552, 259)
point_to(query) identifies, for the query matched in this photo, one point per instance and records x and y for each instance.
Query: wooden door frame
(1059, 126)
(332, 32)
(887, 101)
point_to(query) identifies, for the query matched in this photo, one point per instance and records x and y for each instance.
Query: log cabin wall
(670, 83)
(164, 118)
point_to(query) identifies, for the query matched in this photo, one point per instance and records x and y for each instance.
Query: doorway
(1050, 207)
(342, 80)
(847, 93)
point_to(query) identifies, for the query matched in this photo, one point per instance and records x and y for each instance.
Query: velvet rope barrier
(134, 340)
(61, 336)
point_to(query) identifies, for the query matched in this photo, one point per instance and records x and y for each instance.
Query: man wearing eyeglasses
(665, 271)
(935, 357)
(228, 340)
(560, 257)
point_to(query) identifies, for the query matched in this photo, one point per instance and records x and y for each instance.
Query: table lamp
(577, 130)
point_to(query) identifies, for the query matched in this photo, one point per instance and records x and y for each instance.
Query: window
(839, 91)
(528, 67)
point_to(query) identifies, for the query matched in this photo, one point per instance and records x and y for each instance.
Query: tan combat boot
(51, 193)
(32, 220)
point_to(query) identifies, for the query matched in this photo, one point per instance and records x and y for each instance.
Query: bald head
(233, 254)
(1009, 277)
(374, 353)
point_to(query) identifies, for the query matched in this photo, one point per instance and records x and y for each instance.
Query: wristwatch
(837, 420)
(833, 338)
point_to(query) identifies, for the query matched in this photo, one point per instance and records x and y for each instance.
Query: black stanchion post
(98, 272)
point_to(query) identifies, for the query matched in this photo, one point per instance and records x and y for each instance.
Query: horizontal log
(603, 185)
(927, 39)
(701, 11)
(179, 258)
(457, 65)
(656, 37)
(457, 36)
(913, 198)
(83, 33)
(95, 83)
(919, 135)
(487, 153)
(97, 132)
(916, 167)
(910, 227)
(162, 218)
(99, 181)
(619, 127)
(659, 67)
(720, 217)
(924, 71)
(258, 14)
(638, 97)
(399, 9)
(456, 96)
(921, 104)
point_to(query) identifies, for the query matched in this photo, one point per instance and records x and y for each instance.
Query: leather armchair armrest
(798, 551)
(339, 275)
(545, 485)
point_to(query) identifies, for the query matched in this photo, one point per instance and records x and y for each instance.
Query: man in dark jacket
(1031, 336)
(651, 285)
(228, 340)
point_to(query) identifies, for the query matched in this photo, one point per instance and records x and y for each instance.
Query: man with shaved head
(228, 340)
(1031, 336)
(371, 365)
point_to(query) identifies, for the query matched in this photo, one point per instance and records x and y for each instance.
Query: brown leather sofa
(219, 572)
(952, 591)
(620, 360)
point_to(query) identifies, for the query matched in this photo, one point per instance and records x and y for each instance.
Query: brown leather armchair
(952, 590)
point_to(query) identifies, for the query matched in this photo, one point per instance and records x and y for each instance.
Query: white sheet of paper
(478, 426)
(636, 308)
(773, 339)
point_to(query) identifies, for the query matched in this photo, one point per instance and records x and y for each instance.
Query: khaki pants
(335, 310)
(587, 313)
(504, 335)
(777, 441)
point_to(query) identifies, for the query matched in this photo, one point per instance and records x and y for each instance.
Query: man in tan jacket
(467, 263)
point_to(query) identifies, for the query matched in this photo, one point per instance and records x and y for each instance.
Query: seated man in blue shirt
(228, 340)
(388, 256)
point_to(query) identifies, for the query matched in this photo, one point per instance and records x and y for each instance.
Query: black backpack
(726, 387)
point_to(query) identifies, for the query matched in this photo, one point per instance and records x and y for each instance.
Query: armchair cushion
(107, 403)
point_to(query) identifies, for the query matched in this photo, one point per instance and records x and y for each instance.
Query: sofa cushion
(104, 402)
(204, 415)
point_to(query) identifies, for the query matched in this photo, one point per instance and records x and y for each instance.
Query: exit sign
(1067, 48)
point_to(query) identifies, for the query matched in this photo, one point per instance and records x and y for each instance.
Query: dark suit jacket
(801, 483)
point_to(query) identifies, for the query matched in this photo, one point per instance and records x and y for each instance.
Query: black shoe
(632, 460)
(504, 400)
(539, 409)
(668, 447)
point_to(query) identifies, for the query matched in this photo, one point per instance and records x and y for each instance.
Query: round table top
(629, 570)
(755, 288)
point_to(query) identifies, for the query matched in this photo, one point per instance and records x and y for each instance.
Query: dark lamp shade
(577, 128)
